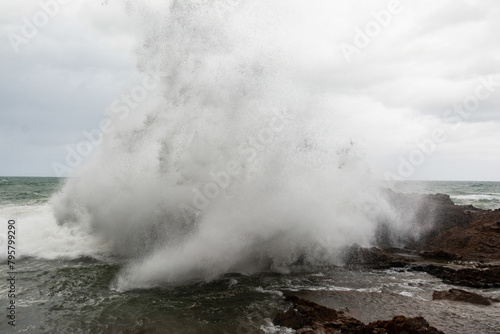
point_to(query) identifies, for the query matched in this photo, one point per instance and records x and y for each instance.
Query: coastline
(461, 247)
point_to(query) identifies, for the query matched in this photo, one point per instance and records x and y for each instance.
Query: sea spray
(234, 164)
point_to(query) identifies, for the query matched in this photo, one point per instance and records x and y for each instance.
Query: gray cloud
(430, 57)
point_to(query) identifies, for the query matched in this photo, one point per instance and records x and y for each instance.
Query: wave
(489, 201)
(234, 164)
(39, 236)
(494, 196)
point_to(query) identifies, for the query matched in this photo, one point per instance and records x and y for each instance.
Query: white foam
(272, 292)
(270, 328)
(485, 201)
(233, 103)
(478, 196)
(38, 235)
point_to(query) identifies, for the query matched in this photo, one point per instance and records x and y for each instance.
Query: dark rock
(449, 233)
(442, 226)
(491, 227)
(374, 258)
(436, 211)
(440, 255)
(463, 296)
(400, 324)
(486, 277)
(307, 317)
(475, 238)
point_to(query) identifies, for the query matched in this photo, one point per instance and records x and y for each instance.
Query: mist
(232, 161)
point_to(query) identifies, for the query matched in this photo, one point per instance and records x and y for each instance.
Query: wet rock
(374, 258)
(484, 277)
(307, 317)
(450, 233)
(475, 240)
(430, 212)
(463, 296)
(440, 255)
(491, 227)
(446, 231)
(401, 324)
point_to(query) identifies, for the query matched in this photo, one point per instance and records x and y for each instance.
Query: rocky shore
(306, 317)
(458, 244)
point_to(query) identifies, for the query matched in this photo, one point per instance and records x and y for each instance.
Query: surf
(233, 164)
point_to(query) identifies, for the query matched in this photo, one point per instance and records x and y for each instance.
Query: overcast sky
(430, 71)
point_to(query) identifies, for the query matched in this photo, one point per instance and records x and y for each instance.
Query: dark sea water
(481, 194)
(64, 280)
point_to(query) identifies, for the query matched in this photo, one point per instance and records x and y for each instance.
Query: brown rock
(374, 257)
(491, 227)
(476, 240)
(400, 324)
(440, 255)
(307, 317)
(481, 277)
(463, 296)
(447, 231)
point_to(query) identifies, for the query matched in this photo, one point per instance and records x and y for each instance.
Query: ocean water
(66, 280)
(481, 194)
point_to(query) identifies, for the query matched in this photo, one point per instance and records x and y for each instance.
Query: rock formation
(463, 296)
(309, 318)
